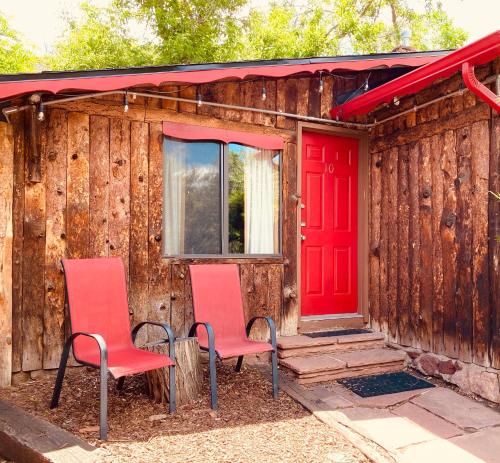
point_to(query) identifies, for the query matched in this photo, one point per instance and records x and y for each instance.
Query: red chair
(219, 309)
(96, 293)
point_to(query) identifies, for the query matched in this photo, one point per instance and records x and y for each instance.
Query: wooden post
(188, 374)
(6, 191)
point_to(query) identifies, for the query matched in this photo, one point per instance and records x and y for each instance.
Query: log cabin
(352, 192)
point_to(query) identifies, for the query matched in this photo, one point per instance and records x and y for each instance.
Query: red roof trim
(198, 132)
(476, 53)
(9, 89)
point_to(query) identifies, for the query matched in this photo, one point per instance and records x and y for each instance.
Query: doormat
(386, 383)
(326, 334)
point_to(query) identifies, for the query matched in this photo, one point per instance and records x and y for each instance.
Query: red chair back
(217, 300)
(97, 297)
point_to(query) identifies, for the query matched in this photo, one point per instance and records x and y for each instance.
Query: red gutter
(478, 88)
(476, 53)
(9, 89)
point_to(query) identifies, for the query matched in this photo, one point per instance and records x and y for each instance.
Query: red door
(329, 224)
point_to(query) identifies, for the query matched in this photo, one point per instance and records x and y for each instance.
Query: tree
(192, 31)
(14, 56)
(101, 39)
(330, 27)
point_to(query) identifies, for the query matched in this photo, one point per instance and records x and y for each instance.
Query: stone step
(327, 367)
(304, 346)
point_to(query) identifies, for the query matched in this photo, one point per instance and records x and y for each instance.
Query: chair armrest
(272, 328)
(100, 342)
(166, 328)
(210, 333)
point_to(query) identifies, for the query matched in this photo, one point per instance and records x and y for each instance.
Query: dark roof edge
(45, 75)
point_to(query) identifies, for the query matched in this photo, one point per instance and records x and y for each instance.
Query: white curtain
(259, 201)
(174, 201)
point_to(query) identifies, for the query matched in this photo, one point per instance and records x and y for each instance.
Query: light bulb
(125, 103)
(366, 86)
(264, 94)
(199, 102)
(41, 112)
(320, 89)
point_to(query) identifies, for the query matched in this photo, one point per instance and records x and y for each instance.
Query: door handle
(302, 237)
(302, 224)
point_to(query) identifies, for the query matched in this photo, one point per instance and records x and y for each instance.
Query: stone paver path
(428, 425)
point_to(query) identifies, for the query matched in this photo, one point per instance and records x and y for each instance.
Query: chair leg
(171, 386)
(213, 377)
(274, 360)
(103, 403)
(120, 383)
(60, 376)
(239, 363)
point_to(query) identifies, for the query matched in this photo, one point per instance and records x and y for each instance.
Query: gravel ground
(248, 427)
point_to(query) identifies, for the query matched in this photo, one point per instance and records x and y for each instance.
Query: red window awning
(109, 82)
(476, 53)
(198, 132)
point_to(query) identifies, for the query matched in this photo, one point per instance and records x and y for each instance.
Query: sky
(41, 21)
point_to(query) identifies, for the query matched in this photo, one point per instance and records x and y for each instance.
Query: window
(221, 198)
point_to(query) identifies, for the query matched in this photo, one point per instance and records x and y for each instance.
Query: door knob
(302, 237)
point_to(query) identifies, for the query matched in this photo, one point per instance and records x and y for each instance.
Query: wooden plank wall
(6, 238)
(434, 258)
(100, 194)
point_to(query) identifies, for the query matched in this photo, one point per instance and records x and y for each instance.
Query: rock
(428, 364)
(447, 368)
(485, 384)
(413, 355)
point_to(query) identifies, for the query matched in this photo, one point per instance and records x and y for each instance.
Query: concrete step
(328, 367)
(304, 346)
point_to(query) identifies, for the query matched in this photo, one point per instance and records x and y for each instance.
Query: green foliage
(100, 40)
(330, 27)
(191, 31)
(14, 56)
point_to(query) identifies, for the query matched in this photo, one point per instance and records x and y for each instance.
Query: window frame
(224, 210)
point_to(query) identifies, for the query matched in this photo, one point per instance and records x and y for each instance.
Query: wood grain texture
(449, 243)
(393, 244)
(480, 150)
(119, 190)
(375, 216)
(159, 270)
(55, 242)
(78, 194)
(403, 240)
(463, 297)
(384, 244)
(494, 243)
(426, 239)
(98, 186)
(6, 238)
(414, 250)
(138, 263)
(437, 143)
(18, 239)
(34, 265)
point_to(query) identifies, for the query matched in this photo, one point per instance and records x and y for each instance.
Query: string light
(125, 103)
(320, 89)
(396, 101)
(199, 101)
(41, 111)
(366, 86)
(264, 92)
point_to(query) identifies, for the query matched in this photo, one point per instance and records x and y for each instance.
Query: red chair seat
(126, 362)
(227, 348)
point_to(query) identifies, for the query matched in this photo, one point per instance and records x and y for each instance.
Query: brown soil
(248, 427)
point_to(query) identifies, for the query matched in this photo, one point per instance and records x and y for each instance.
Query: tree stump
(188, 372)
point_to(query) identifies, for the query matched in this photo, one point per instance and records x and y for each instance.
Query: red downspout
(478, 88)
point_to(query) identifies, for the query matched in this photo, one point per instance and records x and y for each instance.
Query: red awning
(198, 132)
(16, 87)
(476, 53)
